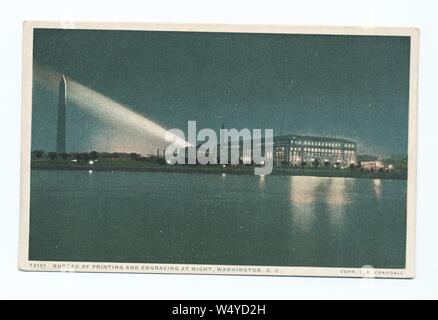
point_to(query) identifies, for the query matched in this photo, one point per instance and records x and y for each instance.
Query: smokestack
(60, 138)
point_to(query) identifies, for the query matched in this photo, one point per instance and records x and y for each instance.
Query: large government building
(299, 150)
(317, 151)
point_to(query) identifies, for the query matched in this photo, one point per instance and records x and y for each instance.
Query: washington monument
(60, 138)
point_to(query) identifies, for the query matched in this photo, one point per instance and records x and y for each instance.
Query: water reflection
(261, 182)
(309, 195)
(302, 196)
(377, 188)
(337, 199)
(294, 221)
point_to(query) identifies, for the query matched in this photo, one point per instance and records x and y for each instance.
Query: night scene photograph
(103, 190)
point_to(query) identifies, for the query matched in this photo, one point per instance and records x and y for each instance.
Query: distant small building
(372, 165)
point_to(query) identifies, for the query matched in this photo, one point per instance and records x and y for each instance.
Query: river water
(217, 219)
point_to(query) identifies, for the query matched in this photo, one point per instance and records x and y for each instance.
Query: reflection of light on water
(302, 196)
(90, 171)
(261, 182)
(377, 187)
(337, 200)
(309, 196)
(336, 192)
(303, 189)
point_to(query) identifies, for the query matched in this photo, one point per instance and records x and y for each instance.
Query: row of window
(311, 154)
(306, 143)
(311, 159)
(319, 155)
(322, 143)
(308, 152)
(322, 150)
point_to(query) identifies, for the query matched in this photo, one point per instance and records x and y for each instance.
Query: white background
(15, 284)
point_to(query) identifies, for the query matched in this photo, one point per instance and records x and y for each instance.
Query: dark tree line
(93, 155)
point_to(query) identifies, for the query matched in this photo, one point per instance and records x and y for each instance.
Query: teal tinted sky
(353, 87)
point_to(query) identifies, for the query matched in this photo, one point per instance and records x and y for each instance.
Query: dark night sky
(353, 87)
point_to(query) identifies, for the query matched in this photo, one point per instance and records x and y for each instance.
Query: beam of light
(115, 113)
(105, 108)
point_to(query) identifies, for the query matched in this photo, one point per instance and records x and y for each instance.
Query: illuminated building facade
(315, 151)
(298, 150)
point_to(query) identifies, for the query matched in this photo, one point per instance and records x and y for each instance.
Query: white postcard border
(62, 266)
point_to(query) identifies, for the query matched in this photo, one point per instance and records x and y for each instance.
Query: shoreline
(314, 172)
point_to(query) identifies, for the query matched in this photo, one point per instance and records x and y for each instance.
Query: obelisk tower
(60, 138)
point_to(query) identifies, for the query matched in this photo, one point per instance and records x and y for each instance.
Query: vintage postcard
(219, 149)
